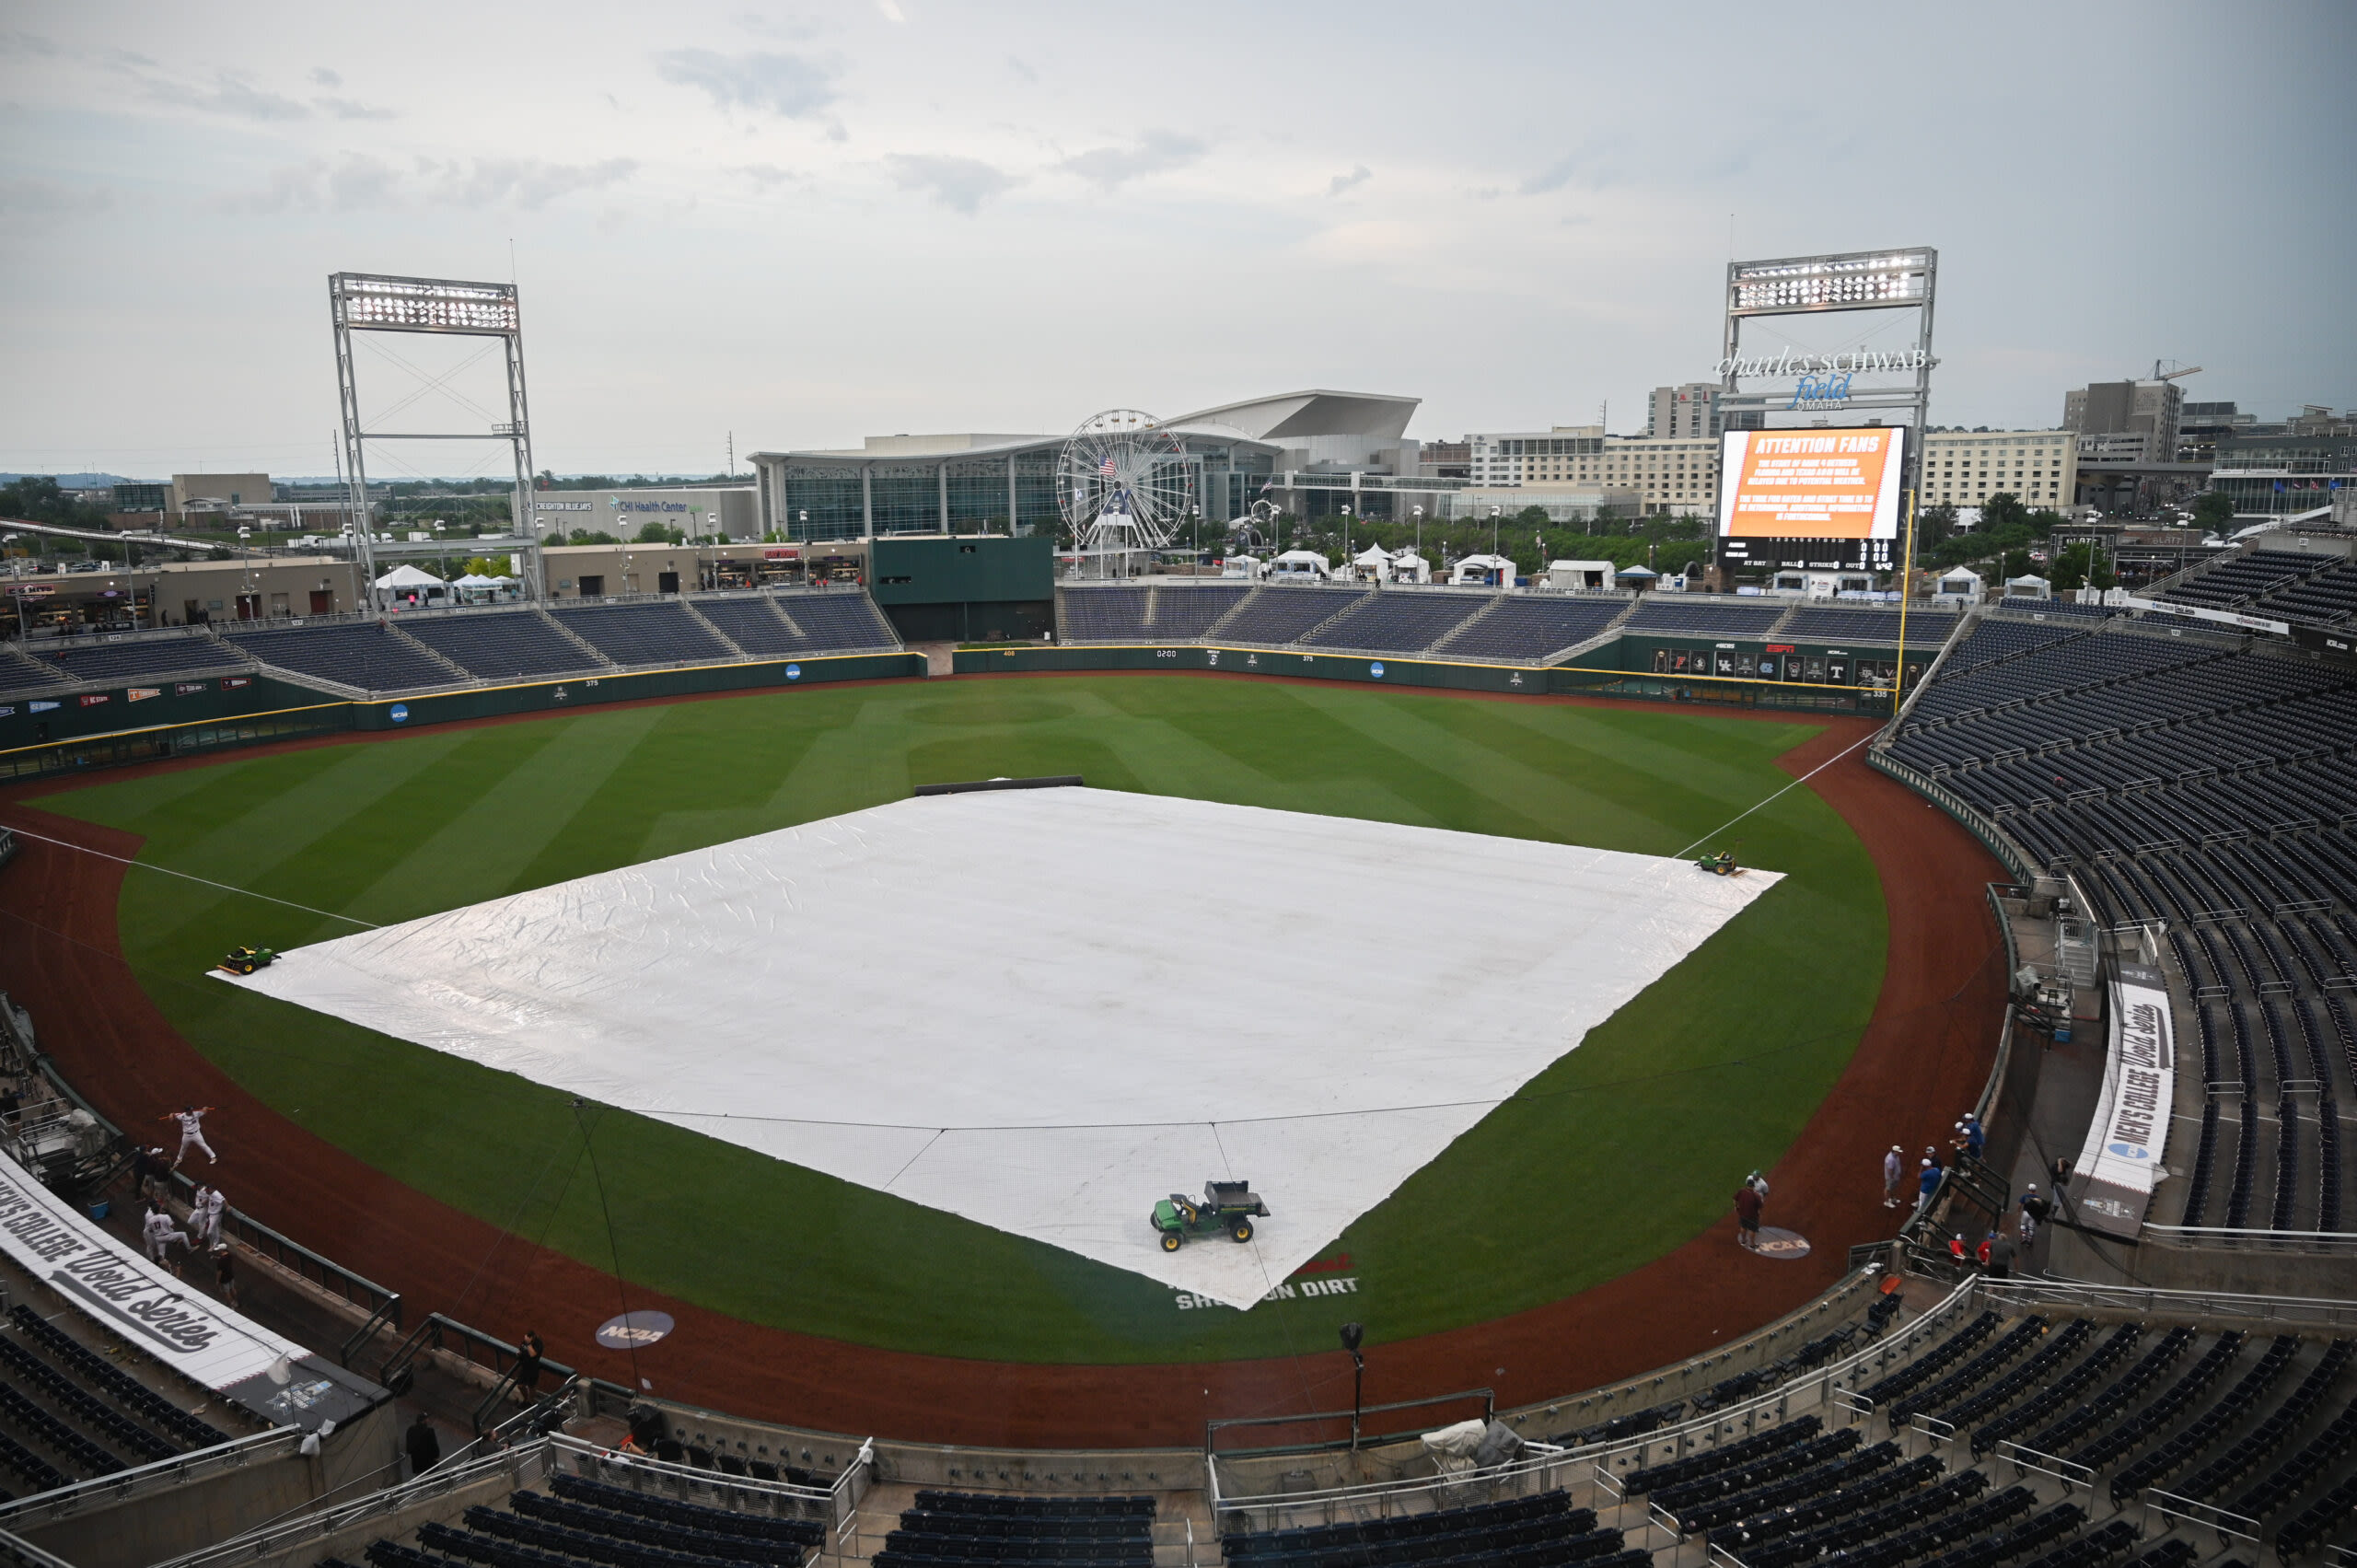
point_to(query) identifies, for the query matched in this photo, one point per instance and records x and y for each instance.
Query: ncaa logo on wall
(398, 713)
(1376, 669)
(2129, 1151)
(794, 672)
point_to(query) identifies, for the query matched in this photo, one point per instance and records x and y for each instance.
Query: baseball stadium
(947, 1038)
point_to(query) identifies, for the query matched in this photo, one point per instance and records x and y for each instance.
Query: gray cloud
(322, 76)
(785, 85)
(1156, 152)
(345, 109)
(1022, 68)
(231, 94)
(1583, 164)
(768, 176)
(525, 182)
(46, 198)
(961, 184)
(1342, 182)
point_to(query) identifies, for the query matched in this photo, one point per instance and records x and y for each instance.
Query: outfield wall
(221, 713)
(1598, 673)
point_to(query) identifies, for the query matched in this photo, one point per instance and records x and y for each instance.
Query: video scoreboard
(1822, 499)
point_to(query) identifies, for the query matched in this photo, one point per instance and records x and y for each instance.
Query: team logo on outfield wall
(187, 688)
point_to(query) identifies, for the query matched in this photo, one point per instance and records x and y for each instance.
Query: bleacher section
(1532, 628)
(2187, 781)
(129, 660)
(2327, 599)
(1400, 622)
(1723, 619)
(21, 672)
(646, 632)
(359, 654)
(1842, 623)
(832, 621)
(960, 1529)
(68, 1414)
(501, 644)
(593, 1522)
(2232, 582)
(1177, 613)
(1283, 614)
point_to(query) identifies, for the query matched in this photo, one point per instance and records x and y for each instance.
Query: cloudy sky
(806, 224)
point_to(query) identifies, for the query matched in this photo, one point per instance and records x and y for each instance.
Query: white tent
(1372, 565)
(1301, 564)
(2028, 588)
(1410, 567)
(1479, 571)
(409, 577)
(1563, 576)
(1959, 587)
(1240, 566)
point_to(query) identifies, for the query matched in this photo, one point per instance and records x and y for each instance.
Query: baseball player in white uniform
(191, 1120)
(204, 1217)
(159, 1233)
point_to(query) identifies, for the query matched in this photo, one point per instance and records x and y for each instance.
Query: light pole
(1353, 1335)
(1349, 565)
(1420, 532)
(1493, 537)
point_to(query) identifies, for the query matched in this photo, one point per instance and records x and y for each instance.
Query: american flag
(1105, 468)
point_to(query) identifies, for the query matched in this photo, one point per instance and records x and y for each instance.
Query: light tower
(370, 302)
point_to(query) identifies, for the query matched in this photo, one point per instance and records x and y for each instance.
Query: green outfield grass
(1623, 1149)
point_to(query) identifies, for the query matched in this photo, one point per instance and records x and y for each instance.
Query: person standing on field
(1927, 1185)
(1893, 1167)
(1747, 1204)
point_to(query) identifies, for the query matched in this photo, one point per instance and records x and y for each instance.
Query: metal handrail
(261, 1541)
(179, 1470)
(2022, 1294)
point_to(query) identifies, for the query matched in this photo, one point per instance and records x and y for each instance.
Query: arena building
(1308, 453)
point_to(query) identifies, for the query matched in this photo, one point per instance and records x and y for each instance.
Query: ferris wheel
(1124, 485)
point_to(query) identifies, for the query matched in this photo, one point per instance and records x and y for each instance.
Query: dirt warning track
(1921, 1062)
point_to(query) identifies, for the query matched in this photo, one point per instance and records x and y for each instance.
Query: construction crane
(2160, 375)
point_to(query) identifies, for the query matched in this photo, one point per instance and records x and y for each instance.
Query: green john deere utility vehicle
(1231, 1206)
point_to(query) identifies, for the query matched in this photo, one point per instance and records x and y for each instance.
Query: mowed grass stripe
(1622, 1149)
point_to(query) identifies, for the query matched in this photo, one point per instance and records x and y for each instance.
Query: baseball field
(1619, 1154)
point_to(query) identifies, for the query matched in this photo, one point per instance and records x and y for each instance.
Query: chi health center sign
(2121, 1163)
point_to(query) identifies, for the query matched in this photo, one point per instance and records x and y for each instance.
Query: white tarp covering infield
(1045, 1009)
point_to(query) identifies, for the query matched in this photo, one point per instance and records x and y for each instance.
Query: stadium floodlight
(1861, 281)
(426, 305)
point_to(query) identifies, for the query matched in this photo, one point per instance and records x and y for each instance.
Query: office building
(1964, 468)
(218, 492)
(2126, 420)
(725, 512)
(1642, 475)
(1689, 410)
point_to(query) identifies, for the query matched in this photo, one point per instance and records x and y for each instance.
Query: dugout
(965, 588)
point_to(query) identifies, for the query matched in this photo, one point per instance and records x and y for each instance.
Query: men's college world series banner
(2122, 1162)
